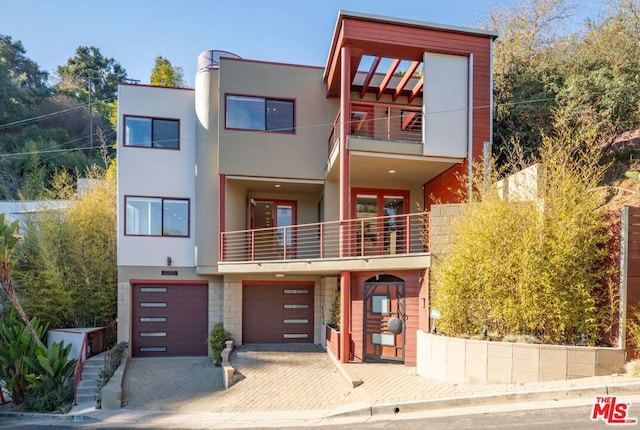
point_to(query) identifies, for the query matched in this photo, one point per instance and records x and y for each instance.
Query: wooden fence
(630, 270)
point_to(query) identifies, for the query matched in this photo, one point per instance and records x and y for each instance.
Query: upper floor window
(151, 132)
(259, 113)
(156, 216)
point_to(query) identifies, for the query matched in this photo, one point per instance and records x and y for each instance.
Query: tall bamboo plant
(531, 264)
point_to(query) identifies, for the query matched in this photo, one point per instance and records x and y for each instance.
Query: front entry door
(273, 221)
(384, 301)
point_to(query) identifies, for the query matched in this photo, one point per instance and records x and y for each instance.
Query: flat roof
(415, 23)
(342, 14)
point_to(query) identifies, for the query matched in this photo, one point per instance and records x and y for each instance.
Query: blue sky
(134, 32)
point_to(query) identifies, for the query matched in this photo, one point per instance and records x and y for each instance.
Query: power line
(49, 151)
(49, 115)
(6, 155)
(39, 118)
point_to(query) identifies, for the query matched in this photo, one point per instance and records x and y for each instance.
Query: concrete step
(86, 382)
(91, 371)
(87, 388)
(86, 391)
(93, 364)
(82, 398)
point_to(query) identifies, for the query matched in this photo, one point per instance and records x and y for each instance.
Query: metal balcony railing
(381, 121)
(362, 237)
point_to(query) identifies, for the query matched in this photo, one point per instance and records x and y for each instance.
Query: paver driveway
(272, 377)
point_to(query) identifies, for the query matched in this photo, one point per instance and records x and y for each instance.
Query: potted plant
(334, 320)
(333, 326)
(217, 341)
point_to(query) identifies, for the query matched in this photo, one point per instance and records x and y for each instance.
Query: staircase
(87, 389)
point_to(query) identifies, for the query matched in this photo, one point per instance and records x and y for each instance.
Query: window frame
(162, 216)
(152, 119)
(265, 99)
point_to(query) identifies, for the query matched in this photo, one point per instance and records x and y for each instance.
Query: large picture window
(154, 216)
(151, 132)
(261, 114)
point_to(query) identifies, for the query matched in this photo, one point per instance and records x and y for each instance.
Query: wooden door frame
(380, 194)
(276, 203)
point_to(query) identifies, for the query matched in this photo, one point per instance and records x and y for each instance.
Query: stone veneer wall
(216, 304)
(232, 299)
(124, 311)
(440, 231)
(466, 361)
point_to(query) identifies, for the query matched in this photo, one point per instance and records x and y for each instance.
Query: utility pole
(90, 114)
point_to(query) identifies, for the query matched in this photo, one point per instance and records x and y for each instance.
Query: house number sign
(169, 273)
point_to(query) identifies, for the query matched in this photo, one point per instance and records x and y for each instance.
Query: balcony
(382, 122)
(364, 239)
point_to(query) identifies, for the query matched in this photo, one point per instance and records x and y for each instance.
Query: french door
(381, 230)
(272, 221)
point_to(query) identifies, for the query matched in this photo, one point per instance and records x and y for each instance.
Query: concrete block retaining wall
(111, 393)
(458, 361)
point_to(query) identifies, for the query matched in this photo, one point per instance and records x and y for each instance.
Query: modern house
(256, 196)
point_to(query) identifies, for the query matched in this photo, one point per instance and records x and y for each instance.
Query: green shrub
(51, 366)
(17, 345)
(524, 266)
(217, 340)
(46, 398)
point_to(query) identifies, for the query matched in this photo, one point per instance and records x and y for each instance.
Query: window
(261, 114)
(151, 132)
(380, 304)
(149, 216)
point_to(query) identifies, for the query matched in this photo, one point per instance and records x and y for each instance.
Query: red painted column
(345, 128)
(345, 316)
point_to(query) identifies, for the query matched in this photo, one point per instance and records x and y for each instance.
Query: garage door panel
(169, 320)
(278, 313)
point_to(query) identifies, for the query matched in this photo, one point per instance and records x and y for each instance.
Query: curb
(52, 417)
(479, 400)
(353, 380)
(364, 410)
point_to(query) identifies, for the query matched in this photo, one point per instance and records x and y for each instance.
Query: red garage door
(169, 320)
(277, 313)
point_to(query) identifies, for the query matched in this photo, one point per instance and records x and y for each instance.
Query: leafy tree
(546, 75)
(67, 271)
(525, 58)
(39, 131)
(164, 74)
(89, 68)
(39, 153)
(601, 88)
(551, 252)
(22, 83)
